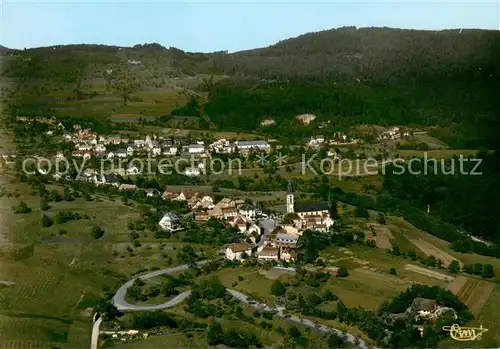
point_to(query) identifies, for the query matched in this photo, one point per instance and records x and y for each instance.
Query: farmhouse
(128, 187)
(268, 254)
(247, 211)
(286, 240)
(169, 222)
(238, 251)
(229, 212)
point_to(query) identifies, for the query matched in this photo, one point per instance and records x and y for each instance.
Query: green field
(437, 154)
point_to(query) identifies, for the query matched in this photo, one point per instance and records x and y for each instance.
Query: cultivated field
(432, 142)
(457, 284)
(431, 250)
(474, 293)
(429, 272)
(383, 238)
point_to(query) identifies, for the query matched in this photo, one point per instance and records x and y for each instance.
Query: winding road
(121, 304)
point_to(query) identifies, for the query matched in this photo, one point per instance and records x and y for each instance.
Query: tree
(393, 271)
(335, 341)
(361, 212)
(44, 205)
(46, 221)
(294, 332)
(21, 208)
(488, 271)
(395, 251)
(371, 243)
(215, 334)
(381, 218)
(454, 267)
(67, 196)
(342, 272)
(333, 209)
(96, 232)
(277, 288)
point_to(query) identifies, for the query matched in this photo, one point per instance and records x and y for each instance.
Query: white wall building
(237, 251)
(169, 222)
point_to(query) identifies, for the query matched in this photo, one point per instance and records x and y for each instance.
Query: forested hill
(348, 76)
(365, 52)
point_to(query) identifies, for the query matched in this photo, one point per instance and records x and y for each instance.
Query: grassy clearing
(437, 154)
(365, 289)
(432, 142)
(154, 103)
(254, 284)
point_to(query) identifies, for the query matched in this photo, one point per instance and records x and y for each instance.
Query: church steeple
(289, 198)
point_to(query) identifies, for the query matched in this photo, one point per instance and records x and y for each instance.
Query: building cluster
(337, 138)
(268, 240)
(88, 144)
(262, 236)
(393, 133)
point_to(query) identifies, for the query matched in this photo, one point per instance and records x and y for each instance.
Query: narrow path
(121, 304)
(95, 333)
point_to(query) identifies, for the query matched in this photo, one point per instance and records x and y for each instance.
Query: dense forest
(466, 200)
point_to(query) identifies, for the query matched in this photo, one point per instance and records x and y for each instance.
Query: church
(311, 215)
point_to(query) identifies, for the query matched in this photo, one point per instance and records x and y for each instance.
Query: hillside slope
(367, 50)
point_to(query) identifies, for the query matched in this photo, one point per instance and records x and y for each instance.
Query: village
(267, 237)
(84, 143)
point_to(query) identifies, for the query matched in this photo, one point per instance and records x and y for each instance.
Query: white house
(229, 212)
(156, 151)
(195, 148)
(132, 170)
(192, 172)
(316, 141)
(249, 145)
(100, 148)
(121, 153)
(247, 211)
(268, 254)
(253, 232)
(170, 222)
(171, 150)
(238, 251)
(286, 240)
(139, 142)
(130, 150)
(84, 147)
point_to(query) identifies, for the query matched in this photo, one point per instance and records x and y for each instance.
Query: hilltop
(347, 75)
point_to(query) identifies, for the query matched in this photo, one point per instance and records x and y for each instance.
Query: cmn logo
(465, 333)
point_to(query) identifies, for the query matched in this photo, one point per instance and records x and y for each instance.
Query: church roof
(311, 207)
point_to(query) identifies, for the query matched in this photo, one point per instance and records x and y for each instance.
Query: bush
(393, 271)
(96, 232)
(44, 205)
(361, 212)
(342, 272)
(21, 208)
(46, 221)
(278, 289)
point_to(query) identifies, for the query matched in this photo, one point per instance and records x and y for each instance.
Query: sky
(203, 26)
